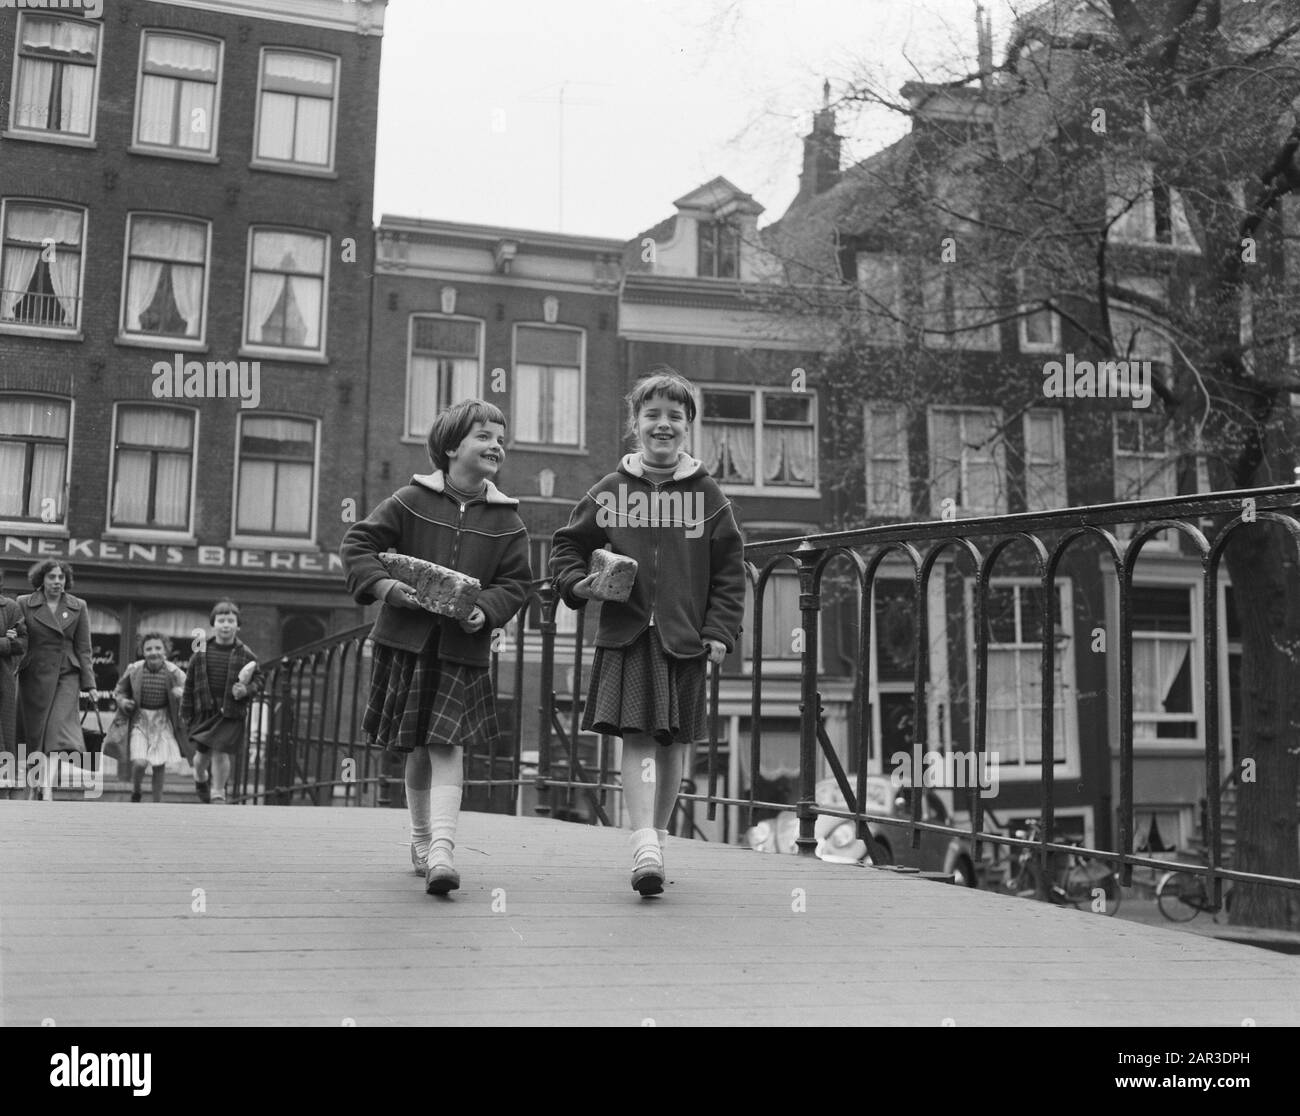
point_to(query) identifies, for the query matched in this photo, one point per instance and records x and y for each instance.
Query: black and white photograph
(651, 513)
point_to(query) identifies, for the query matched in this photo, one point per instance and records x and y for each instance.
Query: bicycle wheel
(1181, 896)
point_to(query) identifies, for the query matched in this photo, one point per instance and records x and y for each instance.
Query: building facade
(185, 249)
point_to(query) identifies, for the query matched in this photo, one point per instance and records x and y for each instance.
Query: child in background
(222, 677)
(431, 689)
(648, 673)
(150, 691)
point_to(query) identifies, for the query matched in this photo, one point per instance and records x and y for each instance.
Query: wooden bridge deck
(119, 914)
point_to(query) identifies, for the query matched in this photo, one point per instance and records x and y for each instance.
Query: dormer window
(719, 250)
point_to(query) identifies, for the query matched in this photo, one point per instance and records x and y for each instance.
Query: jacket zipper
(455, 548)
(654, 578)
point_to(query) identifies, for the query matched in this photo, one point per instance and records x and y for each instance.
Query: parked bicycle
(1181, 896)
(1074, 881)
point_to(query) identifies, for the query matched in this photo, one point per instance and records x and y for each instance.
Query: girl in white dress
(150, 691)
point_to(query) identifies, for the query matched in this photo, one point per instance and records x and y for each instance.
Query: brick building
(185, 215)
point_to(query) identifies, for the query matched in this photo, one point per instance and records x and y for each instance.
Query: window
(889, 488)
(444, 368)
(719, 250)
(548, 386)
(782, 620)
(57, 65)
(967, 461)
(954, 306)
(166, 269)
(277, 477)
(1166, 668)
(153, 457)
(33, 457)
(295, 121)
(40, 266)
(1044, 460)
(1144, 461)
(1015, 661)
(880, 298)
(1142, 211)
(286, 290)
(1136, 333)
(1040, 330)
(759, 438)
(179, 93)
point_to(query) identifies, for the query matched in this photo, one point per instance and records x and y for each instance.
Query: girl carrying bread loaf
(431, 690)
(660, 508)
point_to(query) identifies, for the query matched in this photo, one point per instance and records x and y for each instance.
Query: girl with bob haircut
(431, 689)
(150, 693)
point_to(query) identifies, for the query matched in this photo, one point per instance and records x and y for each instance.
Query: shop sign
(163, 556)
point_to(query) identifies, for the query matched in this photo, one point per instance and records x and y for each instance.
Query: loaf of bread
(437, 588)
(613, 575)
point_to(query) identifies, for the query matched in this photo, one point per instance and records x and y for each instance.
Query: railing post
(279, 760)
(547, 699)
(809, 609)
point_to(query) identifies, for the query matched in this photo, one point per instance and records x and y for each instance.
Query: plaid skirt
(415, 699)
(643, 689)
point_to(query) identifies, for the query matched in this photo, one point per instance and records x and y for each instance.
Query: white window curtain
(13, 458)
(1156, 666)
(35, 82)
(1044, 461)
(728, 451)
(566, 406)
(264, 293)
(312, 131)
(131, 490)
(78, 95)
(165, 430)
(788, 455)
(48, 472)
(528, 403)
(435, 384)
(39, 225)
(256, 483)
(174, 52)
(16, 276)
(275, 138)
(61, 35)
(195, 108)
(306, 294)
(156, 102)
(293, 499)
(276, 256)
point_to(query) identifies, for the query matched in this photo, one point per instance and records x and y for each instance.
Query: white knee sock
(444, 811)
(645, 847)
(662, 834)
(417, 801)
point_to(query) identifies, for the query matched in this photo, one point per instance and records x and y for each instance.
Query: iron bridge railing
(307, 744)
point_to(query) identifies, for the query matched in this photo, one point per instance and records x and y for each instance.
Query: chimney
(821, 152)
(984, 44)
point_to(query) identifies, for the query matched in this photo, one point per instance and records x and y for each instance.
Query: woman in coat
(58, 662)
(13, 646)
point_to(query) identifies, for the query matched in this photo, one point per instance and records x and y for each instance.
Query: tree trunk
(1262, 563)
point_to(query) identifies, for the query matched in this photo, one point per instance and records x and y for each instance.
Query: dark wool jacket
(689, 553)
(11, 654)
(484, 539)
(199, 702)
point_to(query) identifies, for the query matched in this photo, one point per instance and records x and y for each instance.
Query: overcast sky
(659, 96)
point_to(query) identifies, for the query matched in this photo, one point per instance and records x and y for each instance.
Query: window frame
(757, 393)
(62, 332)
(173, 151)
(37, 526)
(162, 340)
(480, 357)
(291, 166)
(552, 447)
(319, 355)
(986, 338)
(1022, 325)
(1194, 638)
(892, 331)
(904, 505)
(46, 135)
(717, 227)
(152, 533)
(1058, 422)
(1025, 770)
(272, 540)
(999, 452)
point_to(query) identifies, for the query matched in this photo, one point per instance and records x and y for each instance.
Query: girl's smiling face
(661, 429)
(479, 455)
(154, 653)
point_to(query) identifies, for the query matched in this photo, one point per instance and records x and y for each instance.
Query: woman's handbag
(117, 739)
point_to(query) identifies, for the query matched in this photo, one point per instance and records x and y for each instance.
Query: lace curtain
(788, 455)
(297, 106)
(275, 256)
(162, 430)
(437, 383)
(728, 452)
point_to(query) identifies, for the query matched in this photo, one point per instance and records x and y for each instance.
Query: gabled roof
(716, 193)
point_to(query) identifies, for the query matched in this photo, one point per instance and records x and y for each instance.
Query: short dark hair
(663, 380)
(223, 605)
(450, 428)
(145, 637)
(36, 575)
